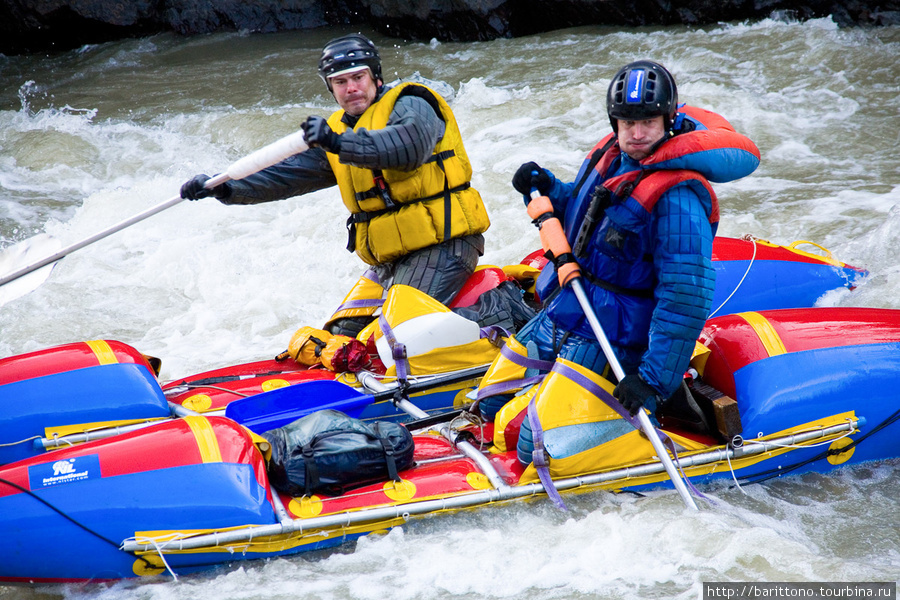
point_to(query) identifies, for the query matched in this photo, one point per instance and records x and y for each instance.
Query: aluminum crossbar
(474, 498)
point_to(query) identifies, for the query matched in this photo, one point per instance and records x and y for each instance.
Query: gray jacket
(412, 132)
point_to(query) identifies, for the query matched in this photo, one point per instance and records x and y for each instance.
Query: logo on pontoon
(63, 467)
(68, 470)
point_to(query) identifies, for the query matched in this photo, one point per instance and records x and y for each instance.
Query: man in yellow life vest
(396, 154)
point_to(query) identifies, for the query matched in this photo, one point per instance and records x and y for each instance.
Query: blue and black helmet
(347, 54)
(642, 90)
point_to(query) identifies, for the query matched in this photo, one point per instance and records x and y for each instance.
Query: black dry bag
(329, 452)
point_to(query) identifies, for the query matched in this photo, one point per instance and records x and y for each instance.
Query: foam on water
(108, 131)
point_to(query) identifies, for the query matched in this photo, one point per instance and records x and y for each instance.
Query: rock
(41, 25)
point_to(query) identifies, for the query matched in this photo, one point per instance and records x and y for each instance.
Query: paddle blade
(21, 255)
(281, 406)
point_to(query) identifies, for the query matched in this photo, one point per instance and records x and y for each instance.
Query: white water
(91, 137)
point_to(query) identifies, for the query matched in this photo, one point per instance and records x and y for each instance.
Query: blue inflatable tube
(95, 394)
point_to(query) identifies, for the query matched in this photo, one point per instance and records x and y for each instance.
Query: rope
(460, 422)
(733, 475)
(162, 557)
(777, 472)
(738, 286)
(28, 439)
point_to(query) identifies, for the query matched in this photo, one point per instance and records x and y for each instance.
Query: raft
(754, 274)
(104, 377)
(139, 478)
(191, 493)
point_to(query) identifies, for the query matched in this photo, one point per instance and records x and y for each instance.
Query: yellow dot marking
(478, 481)
(305, 507)
(347, 377)
(207, 442)
(146, 566)
(400, 490)
(104, 354)
(198, 403)
(837, 459)
(460, 400)
(273, 384)
(766, 333)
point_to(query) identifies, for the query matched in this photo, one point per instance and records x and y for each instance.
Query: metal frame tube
(476, 498)
(368, 380)
(51, 443)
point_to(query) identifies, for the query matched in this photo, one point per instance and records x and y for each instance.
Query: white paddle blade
(17, 262)
(23, 253)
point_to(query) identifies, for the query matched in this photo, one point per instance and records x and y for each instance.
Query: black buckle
(385, 192)
(351, 234)
(398, 352)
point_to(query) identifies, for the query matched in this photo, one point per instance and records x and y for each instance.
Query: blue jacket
(648, 265)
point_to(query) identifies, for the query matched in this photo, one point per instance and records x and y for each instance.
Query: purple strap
(495, 334)
(360, 304)
(524, 361)
(398, 350)
(505, 386)
(372, 276)
(539, 458)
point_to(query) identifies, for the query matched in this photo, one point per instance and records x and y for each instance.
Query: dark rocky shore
(47, 25)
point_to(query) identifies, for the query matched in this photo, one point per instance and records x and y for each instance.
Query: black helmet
(347, 53)
(642, 90)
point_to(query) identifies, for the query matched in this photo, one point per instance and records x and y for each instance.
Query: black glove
(194, 190)
(319, 134)
(634, 393)
(524, 181)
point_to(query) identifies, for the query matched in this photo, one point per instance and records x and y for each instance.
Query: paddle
(22, 253)
(572, 278)
(12, 258)
(281, 406)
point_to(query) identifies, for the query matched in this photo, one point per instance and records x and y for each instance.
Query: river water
(93, 136)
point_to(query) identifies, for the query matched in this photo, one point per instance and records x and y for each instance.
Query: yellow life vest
(395, 212)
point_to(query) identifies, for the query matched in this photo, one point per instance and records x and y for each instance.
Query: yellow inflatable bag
(306, 345)
(508, 421)
(505, 369)
(582, 434)
(526, 275)
(436, 340)
(362, 300)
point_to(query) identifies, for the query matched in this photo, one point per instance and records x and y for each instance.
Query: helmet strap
(668, 136)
